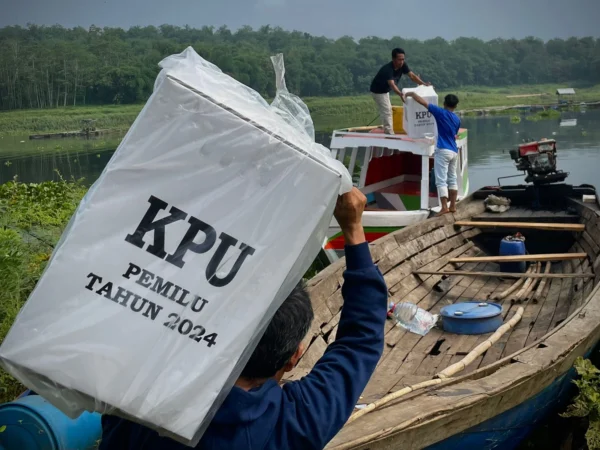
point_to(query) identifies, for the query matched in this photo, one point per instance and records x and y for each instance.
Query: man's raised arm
(325, 398)
(413, 76)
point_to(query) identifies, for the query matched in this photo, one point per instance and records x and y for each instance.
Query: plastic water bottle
(413, 318)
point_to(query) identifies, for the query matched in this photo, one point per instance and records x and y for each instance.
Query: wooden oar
(466, 273)
(523, 225)
(520, 258)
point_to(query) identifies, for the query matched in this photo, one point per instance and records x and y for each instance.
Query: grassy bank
(327, 112)
(31, 121)
(32, 218)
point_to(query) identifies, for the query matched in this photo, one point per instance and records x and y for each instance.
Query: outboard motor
(538, 159)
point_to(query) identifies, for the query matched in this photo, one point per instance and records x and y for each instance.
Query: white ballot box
(207, 215)
(417, 121)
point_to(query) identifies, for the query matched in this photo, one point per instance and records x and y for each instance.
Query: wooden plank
(565, 296)
(524, 225)
(544, 320)
(332, 335)
(429, 365)
(466, 273)
(578, 287)
(520, 258)
(379, 385)
(592, 243)
(594, 231)
(517, 339)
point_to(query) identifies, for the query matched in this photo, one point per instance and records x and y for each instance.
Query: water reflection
(490, 139)
(39, 160)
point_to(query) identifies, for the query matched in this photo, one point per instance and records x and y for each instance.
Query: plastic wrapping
(209, 212)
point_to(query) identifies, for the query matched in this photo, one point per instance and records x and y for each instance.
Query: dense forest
(42, 67)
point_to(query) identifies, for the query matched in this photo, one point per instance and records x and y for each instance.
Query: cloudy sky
(424, 19)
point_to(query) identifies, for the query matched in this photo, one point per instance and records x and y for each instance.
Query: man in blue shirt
(305, 414)
(446, 153)
(387, 80)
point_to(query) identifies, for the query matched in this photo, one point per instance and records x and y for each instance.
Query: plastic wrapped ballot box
(207, 215)
(417, 120)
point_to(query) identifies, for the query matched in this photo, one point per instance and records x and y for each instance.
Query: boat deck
(409, 358)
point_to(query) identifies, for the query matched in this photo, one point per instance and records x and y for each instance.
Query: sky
(485, 19)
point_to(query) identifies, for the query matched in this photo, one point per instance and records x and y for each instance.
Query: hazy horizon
(483, 19)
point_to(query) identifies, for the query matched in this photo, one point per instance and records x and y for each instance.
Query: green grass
(544, 115)
(327, 112)
(32, 218)
(118, 117)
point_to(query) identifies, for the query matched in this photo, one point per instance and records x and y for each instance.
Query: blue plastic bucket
(512, 247)
(31, 423)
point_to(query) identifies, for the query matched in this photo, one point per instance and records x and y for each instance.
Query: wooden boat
(393, 171)
(496, 400)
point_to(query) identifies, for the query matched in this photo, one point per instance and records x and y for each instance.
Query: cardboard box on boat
(207, 215)
(417, 120)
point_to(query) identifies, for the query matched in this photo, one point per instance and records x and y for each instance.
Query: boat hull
(507, 430)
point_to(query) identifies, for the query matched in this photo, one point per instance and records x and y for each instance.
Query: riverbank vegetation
(43, 67)
(327, 112)
(32, 218)
(587, 402)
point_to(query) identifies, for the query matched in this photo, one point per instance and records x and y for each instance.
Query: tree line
(45, 67)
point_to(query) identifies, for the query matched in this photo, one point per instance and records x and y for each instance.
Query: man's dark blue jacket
(304, 414)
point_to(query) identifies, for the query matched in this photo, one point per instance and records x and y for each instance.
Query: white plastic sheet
(207, 215)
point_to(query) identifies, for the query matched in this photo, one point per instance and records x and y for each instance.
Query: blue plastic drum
(471, 317)
(31, 423)
(510, 247)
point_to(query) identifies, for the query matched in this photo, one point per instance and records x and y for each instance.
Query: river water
(490, 138)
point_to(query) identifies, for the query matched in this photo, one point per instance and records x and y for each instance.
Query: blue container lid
(472, 310)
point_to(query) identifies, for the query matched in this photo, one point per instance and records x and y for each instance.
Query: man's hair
(285, 332)
(451, 101)
(396, 52)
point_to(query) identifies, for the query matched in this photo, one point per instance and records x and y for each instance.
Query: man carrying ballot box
(387, 80)
(304, 414)
(446, 152)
